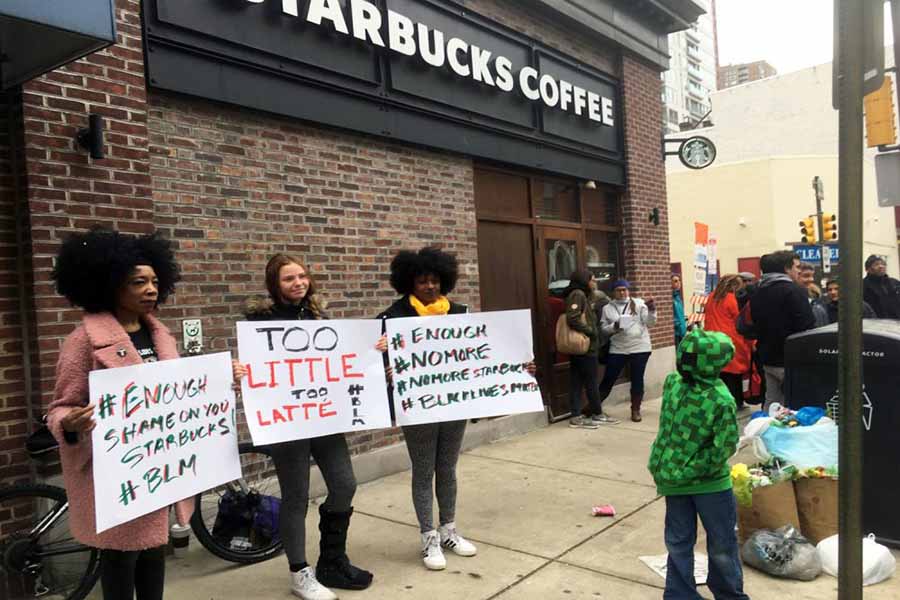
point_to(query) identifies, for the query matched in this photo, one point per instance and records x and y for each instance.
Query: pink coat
(101, 343)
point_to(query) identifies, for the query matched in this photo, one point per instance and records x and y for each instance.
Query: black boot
(334, 569)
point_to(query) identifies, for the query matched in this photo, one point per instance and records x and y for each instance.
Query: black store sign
(418, 71)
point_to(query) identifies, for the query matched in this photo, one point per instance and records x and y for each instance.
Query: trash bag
(234, 519)
(878, 562)
(803, 447)
(266, 521)
(782, 553)
(810, 415)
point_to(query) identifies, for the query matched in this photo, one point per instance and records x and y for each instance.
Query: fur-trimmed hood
(263, 308)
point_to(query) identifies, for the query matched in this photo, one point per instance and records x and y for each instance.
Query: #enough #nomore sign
(462, 366)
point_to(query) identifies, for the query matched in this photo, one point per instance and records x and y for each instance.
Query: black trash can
(811, 379)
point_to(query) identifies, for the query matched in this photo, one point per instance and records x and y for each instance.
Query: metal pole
(895, 22)
(850, 188)
(819, 188)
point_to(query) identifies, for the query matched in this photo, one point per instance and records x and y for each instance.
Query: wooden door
(559, 251)
(505, 266)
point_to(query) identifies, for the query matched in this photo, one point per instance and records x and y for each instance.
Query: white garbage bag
(878, 562)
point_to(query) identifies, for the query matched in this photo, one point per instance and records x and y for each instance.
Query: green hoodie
(698, 429)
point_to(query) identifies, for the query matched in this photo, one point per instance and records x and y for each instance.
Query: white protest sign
(457, 367)
(312, 378)
(165, 432)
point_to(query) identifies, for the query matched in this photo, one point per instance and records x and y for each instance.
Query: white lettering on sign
(479, 64)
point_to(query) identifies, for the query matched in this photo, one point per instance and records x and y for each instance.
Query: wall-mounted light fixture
(654, 216)
(590, 185)
(91, 137)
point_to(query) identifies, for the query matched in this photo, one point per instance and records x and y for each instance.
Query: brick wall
(67, 191)
(588, 49)
(236, 187)
(646, 245)
(14, 398)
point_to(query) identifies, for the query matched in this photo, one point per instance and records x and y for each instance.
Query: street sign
(813, 254)
(887, 178)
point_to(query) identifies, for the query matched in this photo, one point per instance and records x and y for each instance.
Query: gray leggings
(292, 466)
(434, 451)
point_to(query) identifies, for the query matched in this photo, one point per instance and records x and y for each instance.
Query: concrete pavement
(525, 501)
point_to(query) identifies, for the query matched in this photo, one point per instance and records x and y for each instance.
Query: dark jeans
(292, 468)
(614, 367)
(735, 384)
(583, 376)
(126, 573)
(718, 512)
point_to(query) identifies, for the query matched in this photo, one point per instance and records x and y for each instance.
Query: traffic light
(879, 106)
(829, 227)
(808, 231)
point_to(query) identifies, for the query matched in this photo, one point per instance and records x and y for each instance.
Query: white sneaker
(451, 540)
(305, 585)
(432, 555)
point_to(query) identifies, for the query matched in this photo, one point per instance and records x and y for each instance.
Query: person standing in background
(807, 279)
(881, 291)
(627, 322)
(833, 291)
(721, 315)
(779, 308)
(678, 309)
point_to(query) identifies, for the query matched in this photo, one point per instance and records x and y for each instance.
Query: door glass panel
(558, 201)
(602, 256)
(562, 259)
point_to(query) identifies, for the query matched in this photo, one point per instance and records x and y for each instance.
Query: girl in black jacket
(424, 278)
(292, 295)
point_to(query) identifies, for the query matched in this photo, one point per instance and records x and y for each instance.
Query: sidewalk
(526, 502)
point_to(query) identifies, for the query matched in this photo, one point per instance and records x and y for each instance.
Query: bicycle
(40, 559)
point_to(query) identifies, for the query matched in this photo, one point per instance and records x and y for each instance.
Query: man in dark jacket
(880, 291)
(779, 308)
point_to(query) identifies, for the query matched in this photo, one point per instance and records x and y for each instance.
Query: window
(558, 201)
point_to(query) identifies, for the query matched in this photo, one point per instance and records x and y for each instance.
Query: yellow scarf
(441, 306)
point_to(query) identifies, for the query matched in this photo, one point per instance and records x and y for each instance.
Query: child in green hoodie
(698, 433)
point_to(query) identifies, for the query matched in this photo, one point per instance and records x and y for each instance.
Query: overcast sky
(789, 34)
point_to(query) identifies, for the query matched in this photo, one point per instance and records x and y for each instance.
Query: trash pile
(788, 502)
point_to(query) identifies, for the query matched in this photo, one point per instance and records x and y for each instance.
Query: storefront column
(69, 191)
(646, 245)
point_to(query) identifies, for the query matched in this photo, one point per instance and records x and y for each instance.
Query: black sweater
(883, 295)
(779, 308)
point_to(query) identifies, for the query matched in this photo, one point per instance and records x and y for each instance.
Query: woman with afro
(292, 295)
(119, 280)
(424, 279)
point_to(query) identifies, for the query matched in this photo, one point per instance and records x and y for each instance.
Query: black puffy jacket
(779, 308)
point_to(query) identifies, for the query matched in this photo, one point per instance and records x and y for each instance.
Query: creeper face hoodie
(698, 429)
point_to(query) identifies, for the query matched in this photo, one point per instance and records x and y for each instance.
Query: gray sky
(789, 34)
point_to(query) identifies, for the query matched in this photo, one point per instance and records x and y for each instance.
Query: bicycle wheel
(38, 556)
(238, 521)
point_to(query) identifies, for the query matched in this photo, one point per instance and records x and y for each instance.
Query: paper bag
(773, 506)
(817, 505)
